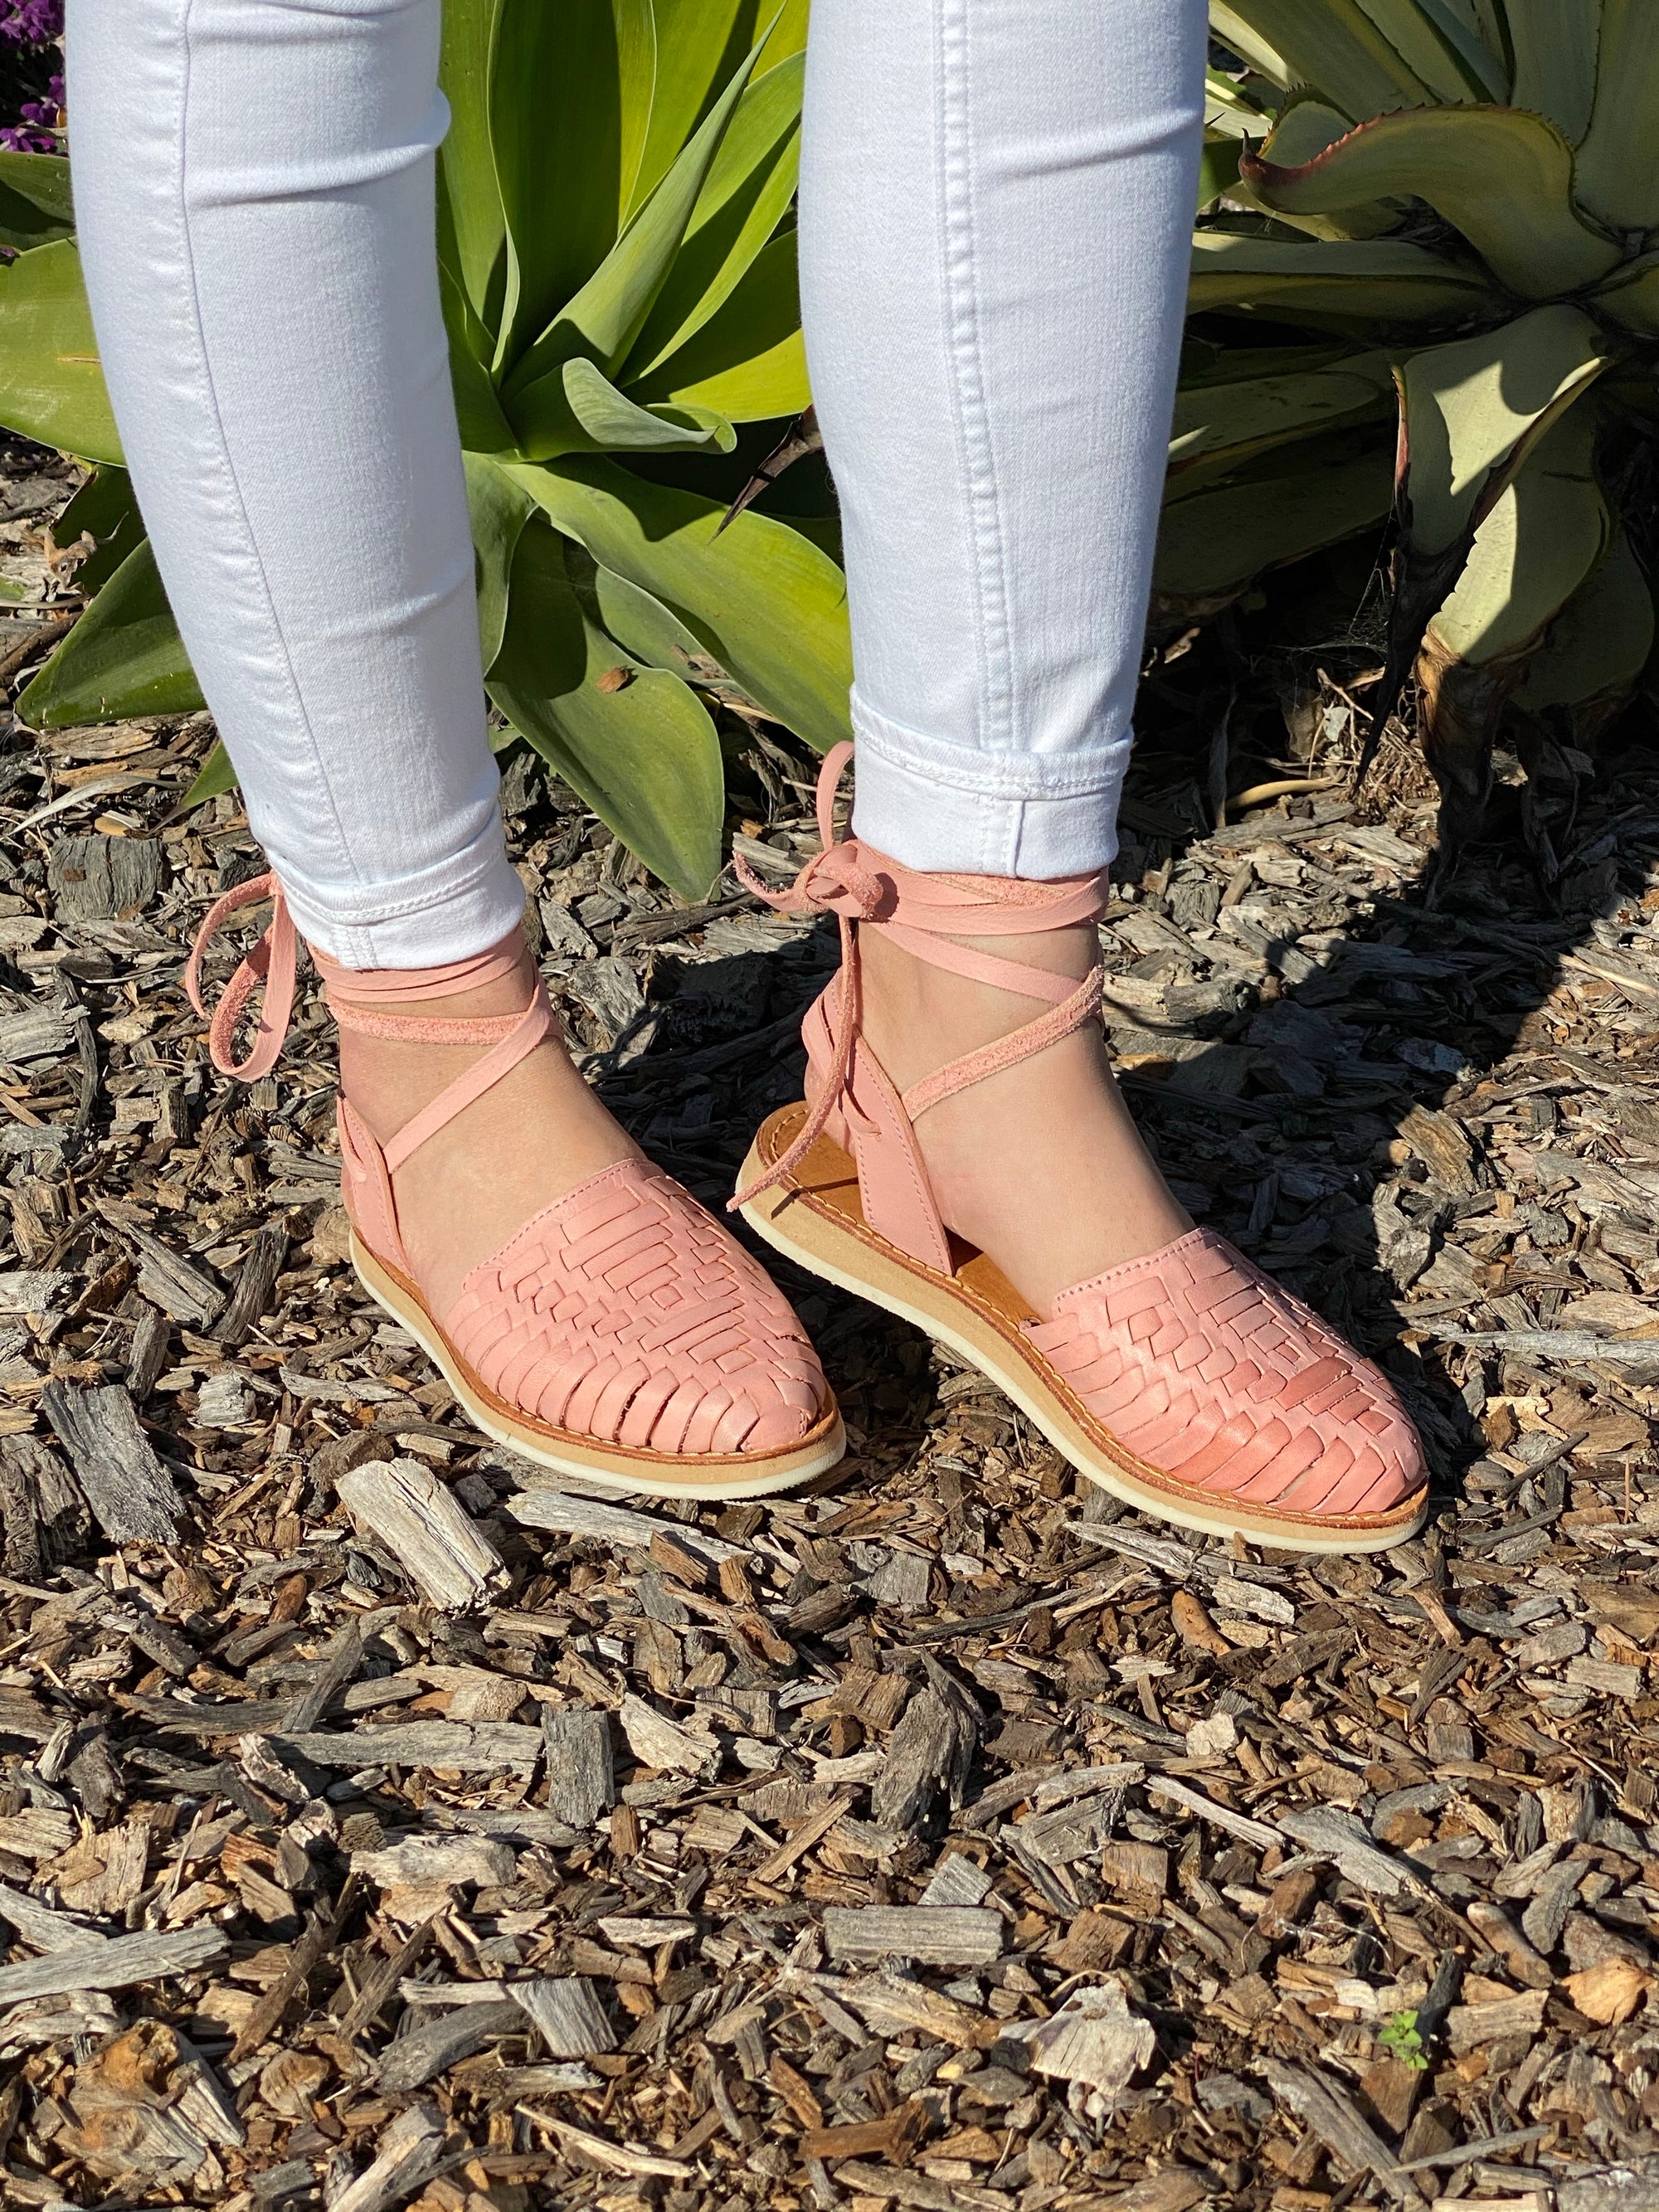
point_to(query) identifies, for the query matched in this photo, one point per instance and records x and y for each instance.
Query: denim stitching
(972, 425)
(363, 940)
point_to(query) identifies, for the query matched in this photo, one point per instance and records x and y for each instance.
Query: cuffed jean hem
(948, 809)
(461, 907)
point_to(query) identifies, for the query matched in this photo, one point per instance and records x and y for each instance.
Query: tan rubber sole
(814, 1219)
(630, 1474)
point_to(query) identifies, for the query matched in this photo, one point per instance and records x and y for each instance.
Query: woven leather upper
(624, 1312)
(1212, 1373)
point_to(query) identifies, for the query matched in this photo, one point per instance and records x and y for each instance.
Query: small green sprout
(1401, 2039)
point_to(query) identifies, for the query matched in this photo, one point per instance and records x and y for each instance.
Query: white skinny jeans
(995, 201)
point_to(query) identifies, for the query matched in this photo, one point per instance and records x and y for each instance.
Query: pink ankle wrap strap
(360, 999)
(926, 913)
(272, 962)
(358, 996)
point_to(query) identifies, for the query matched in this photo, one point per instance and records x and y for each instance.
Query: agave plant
(1445, 213)
(617, 258)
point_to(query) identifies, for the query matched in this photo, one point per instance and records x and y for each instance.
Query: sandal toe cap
(627, 1314)
(1221, 1380)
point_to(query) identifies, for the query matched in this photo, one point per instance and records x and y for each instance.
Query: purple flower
(31, 22)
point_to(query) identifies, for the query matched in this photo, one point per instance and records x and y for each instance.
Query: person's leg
(996, 201)
(254, 189)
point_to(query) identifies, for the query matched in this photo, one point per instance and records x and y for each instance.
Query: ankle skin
(1040, 1166)
(535, 1136)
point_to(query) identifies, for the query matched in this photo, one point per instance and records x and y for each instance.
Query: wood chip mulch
(383, 1823)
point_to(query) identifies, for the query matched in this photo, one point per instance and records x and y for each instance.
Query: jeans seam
(968, 376)
(205, 369)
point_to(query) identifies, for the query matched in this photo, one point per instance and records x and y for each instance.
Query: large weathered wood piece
(444, 1554)
(131, 1493)
(119, 1964)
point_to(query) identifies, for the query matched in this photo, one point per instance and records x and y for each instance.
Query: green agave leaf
(1214, 544)
(1618, 174)
(1479, 45)
(216, 775)
(1218, 168)
(498, 509)
(1220, 426)
(636, 82)
(1471, 412)
(642, 752)
(1631, 296)
(556, 130)
(750, 361)
(1367, 284)
(579, 410)
(648, 629)
(1489, 19)
(52, 386)
(1436, 47)
(483, 427)
(466, 165)
(34, 200)
(1525, 230)
(766, 604)
(750, 186)
(1236, 32)
(1554, 51)
(607, 315)
(1546, 533)
(104, 510)
(1335, 46)
(690, 41)
(1303, 132)
(124, 657)
(1599, 644)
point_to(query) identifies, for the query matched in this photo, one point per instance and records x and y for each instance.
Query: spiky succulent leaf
(1471, 411)
(1440, 48)
(555, 135)
(1618, 174)
(1217, 427)
(1303, 131)
(1218, 168)
(1555, 49)
(1235, 32)
(1599, 644)
(1213, 545)
(1336, 46)
(104, 510)
(1368, 284)
(1631, 296)
(1229, 113)
(690, 42)
(1503, 179)
(1544, 535)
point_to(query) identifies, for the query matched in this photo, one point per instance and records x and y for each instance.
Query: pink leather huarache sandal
(1186, 1383)
(622, 1334)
